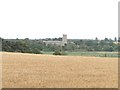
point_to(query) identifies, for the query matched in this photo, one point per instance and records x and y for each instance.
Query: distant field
(96, 54)
(48, 71)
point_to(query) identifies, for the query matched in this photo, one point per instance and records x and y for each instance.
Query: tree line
(37, 45)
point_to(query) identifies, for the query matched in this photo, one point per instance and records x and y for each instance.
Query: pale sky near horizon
(79, 19)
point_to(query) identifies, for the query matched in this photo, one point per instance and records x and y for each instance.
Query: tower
(64, 40)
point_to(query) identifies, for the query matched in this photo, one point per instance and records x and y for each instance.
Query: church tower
(64, 40)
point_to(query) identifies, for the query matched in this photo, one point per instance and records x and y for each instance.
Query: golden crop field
(47, 71)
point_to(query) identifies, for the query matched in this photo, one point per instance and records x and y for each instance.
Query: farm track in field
(47, 71)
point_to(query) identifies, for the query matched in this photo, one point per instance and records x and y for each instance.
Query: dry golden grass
(47, 71)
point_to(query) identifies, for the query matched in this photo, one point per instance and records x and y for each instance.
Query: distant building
(60, 43)
(116, 42)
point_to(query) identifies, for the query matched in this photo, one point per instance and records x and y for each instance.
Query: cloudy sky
(82, 19)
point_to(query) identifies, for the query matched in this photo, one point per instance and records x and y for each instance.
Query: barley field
(47, 71)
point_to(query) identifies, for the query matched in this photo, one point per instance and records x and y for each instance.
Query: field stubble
(48, 71)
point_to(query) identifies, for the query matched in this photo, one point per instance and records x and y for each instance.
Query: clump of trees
(24, 46)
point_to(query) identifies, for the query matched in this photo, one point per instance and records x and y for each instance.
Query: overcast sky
(82, 19)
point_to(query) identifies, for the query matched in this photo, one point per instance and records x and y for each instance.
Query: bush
(36, 51)
(57, 53)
